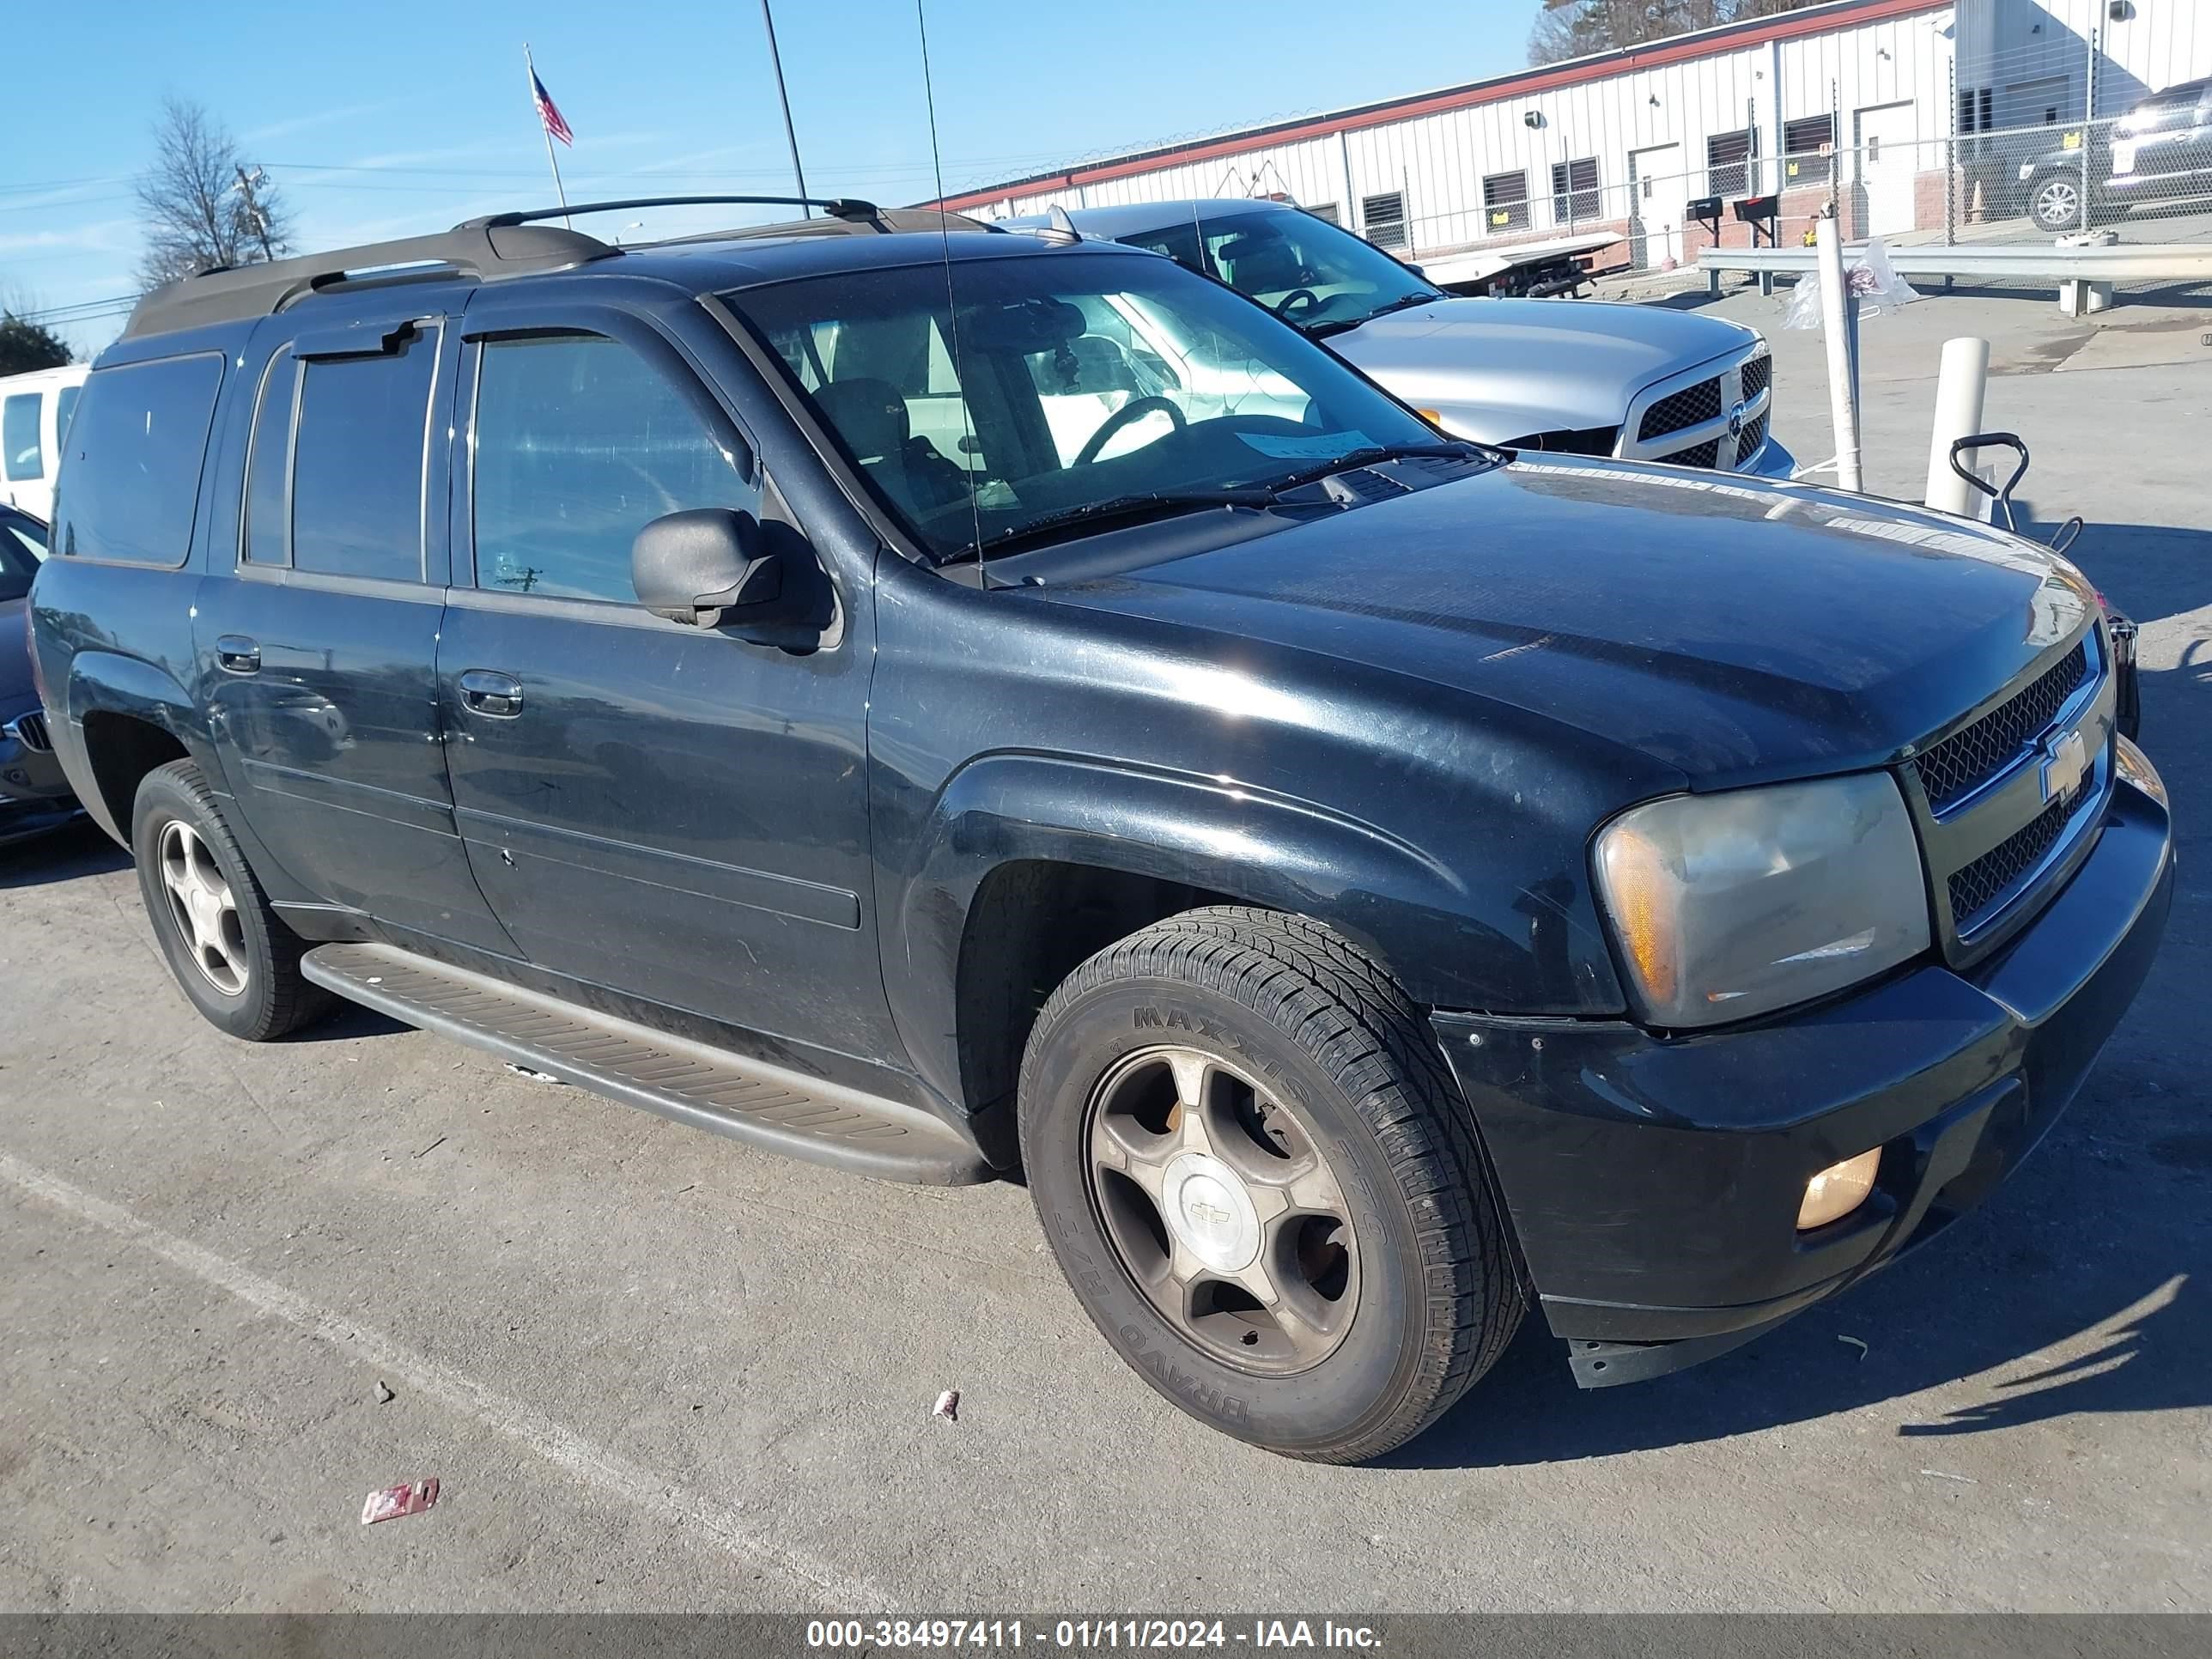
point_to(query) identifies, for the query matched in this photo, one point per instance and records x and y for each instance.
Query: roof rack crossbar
(838, 206)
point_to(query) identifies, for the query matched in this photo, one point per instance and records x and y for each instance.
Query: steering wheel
(1282, 307)
(1128, 412)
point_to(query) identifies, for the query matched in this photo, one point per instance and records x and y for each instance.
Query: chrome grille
(1977, 888)
(1755, 374)
(31, 732)
(1754, 434)
(1966, 759)
(1703, 454)
(1692, 406)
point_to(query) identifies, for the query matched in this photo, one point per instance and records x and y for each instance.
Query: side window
(268, 463)
(357, 463)
(64, 406)
(133, 462)
(579, 444)
(19, 437)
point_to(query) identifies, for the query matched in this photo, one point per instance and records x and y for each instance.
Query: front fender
(1409, 908)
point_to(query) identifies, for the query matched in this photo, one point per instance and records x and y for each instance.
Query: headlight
(2026, 171)
(1726, 906)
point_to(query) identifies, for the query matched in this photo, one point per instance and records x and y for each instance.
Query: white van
(34, 413)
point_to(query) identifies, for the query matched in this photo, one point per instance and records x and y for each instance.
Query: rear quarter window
(131, 466)
(19, 437)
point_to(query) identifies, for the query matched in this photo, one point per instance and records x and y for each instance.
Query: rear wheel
(232, 957)
(1253, 1168)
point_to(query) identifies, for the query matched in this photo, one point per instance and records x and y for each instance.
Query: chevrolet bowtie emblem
(2065, 764)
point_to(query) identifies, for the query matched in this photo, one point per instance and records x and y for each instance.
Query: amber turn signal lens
(1837, 1190)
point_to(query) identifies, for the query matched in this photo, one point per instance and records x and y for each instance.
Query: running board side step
(706, 1087)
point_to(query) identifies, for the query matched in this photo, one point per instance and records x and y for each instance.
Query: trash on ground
(535, 1076)
(409, 1497)
(947, 1406)
(384, 1394)
(432, 1147)
(1856, 1343)
(1945, 1474)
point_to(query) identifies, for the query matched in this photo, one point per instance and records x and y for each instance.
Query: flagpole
(530, 68)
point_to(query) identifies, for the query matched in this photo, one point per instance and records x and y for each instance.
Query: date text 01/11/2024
(1129, 1633)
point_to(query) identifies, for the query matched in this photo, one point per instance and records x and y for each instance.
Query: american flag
(550, 113)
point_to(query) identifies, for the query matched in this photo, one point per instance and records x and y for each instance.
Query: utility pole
(251, 212)
(790, 132)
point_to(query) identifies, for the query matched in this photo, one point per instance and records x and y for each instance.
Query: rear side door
(318, 636)
(674, 813)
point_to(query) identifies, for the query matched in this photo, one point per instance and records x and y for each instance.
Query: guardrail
(2097, 267)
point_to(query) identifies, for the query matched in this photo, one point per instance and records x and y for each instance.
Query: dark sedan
(34, 797)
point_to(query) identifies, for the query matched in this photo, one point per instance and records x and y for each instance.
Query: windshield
(1305, 270)
(1072, 380)
(21, 548)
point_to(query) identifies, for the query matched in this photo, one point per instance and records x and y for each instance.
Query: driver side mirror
(710, 565)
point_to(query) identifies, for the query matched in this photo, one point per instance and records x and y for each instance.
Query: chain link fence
(2033, 144)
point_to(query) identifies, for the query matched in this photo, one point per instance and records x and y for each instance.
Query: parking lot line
(594, 1464)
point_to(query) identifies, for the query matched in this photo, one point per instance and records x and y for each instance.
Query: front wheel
(1253, 1168)
(2057, 203)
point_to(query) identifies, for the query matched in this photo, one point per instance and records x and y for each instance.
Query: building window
(1505, 202)
(1383, 219)
(1574, 190)
(1728, 162)
(1325, 211)
(1807, 144)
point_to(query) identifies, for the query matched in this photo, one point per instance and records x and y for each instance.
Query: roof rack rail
(485, 249)
(837, 207)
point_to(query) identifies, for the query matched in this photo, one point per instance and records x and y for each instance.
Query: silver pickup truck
(1639, 382)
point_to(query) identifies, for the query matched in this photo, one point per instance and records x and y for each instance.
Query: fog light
(1837, 1190)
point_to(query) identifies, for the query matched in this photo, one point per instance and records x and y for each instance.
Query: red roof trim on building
(1705, 44)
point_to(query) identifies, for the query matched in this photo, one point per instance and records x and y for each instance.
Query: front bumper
(34, 795)
(1653, 1184)
(1771, 460)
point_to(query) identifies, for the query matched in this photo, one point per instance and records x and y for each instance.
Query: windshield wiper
(1321, 331)
(1367, 455)
(1123, 508)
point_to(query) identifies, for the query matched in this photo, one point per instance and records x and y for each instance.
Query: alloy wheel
(201, 906)
(2058, 203)
(1223, 1210)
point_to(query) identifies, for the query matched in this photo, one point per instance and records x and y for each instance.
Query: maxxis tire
(276, 999)
(1344, 1045)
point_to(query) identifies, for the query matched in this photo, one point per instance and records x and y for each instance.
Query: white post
(1843, 373)
(1959, 386)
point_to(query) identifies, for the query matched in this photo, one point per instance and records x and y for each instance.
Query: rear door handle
(488, 691)
(238, 654)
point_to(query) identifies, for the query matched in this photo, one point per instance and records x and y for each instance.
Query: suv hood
(1734, 632)
(1500, 370)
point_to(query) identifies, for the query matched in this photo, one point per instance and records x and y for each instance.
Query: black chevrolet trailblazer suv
(939, 702)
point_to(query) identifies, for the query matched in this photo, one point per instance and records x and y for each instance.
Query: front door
(676, 814)
(1657, 198)
(319, 633)
(1887, 161)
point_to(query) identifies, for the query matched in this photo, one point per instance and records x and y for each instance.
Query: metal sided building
(1858, 101)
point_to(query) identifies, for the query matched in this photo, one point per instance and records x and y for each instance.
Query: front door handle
(238, 654)
(488, 691)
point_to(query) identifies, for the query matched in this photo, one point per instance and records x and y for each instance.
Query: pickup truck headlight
(1729, 905)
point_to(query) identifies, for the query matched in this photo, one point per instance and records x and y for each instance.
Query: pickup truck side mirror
(709, 565)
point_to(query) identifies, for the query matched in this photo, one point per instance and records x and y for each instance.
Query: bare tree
(1575, 29)
(205, 206)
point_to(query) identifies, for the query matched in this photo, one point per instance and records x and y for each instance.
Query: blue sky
(387, 119)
